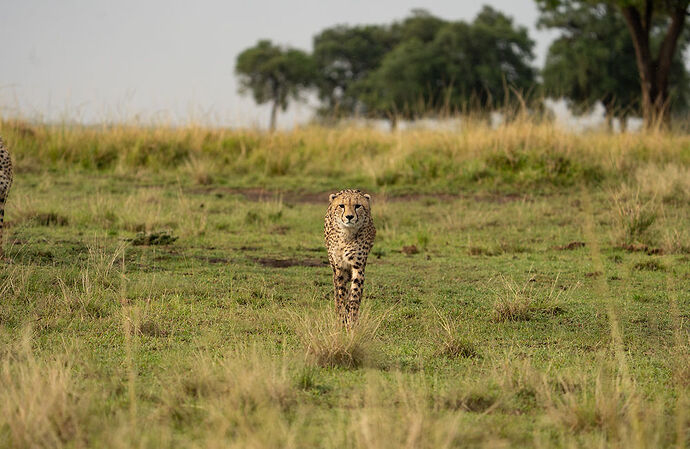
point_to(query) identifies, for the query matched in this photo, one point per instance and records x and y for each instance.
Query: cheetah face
(350, 210)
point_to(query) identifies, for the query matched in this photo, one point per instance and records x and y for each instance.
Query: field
(169, 288)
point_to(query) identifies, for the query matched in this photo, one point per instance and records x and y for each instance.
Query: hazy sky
(173, 61)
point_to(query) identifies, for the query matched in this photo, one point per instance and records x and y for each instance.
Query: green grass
(176, 305)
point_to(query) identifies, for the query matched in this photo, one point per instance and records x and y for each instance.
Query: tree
(464, 65)
(274, 74)
(344, 56)
(654, 71)
(594, 60)
(420, 25)
(502, 57)
(408, 83)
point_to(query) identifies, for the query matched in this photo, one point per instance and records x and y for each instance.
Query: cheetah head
(351, 208)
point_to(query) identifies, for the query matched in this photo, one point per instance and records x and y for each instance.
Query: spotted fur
(5, 183)
(349, 234)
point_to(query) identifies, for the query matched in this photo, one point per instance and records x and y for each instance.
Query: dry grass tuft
(634, 217)
(607, 407)
(243, 380)
(514, 303)
(330, 344)
(520, 302)
(583, 404)
(244, 397)
(40, 406)
(512, 308)
(200, 169)
(592, 405)
(475, 399)
(396, 413)
(669, 182)
(453, 343)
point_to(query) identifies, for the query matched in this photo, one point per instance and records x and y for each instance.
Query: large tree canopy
(463, 65)
(408, 82)
(421, 25)
(655, 28)
(344, 56)
(274, 74)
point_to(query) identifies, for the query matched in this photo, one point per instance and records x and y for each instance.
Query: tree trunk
(654, 72)
(274, 113)
(623, 120)
(609, 119)
(393, 119)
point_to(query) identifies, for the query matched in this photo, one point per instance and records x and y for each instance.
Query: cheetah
(5, 183)
(349, 233)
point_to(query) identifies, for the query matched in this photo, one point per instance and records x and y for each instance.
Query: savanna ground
(169, 288)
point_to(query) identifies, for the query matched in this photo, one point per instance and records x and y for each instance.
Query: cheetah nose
(349, 217)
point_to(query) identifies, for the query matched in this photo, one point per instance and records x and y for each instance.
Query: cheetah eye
(342, 206)
(357, 206)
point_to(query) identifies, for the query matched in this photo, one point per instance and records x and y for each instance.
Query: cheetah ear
(367, 196)
(331, 197)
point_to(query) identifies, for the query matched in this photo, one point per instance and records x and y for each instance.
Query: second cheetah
(5, 183)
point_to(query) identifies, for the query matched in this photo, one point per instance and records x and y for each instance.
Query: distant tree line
(626, 54)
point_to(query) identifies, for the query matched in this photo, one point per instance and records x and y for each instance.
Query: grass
(635, 217)
(521, 155)
(170, 288)
(329, 344)
(521, 302)
(39, 404)
(454, 342)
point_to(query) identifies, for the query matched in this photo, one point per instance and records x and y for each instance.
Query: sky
(172, 62)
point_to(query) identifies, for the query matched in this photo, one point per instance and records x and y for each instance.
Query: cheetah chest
(349, 254)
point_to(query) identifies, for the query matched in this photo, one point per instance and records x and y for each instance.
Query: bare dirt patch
(290, 262)
(633, 248)
(297, 197)
(570, 246)
(153, 238)
(152, 329)
(257, 194)
(280, 230)
(409, 250)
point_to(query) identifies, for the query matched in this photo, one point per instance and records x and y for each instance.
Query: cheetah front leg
(341, 279)
(356, 291)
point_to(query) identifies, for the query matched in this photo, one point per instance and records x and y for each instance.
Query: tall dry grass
(330, 344)
(520, 301)
(251, 397)
(40, 403)
(523, 152)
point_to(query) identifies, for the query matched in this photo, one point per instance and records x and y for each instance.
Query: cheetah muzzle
(349, 233)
